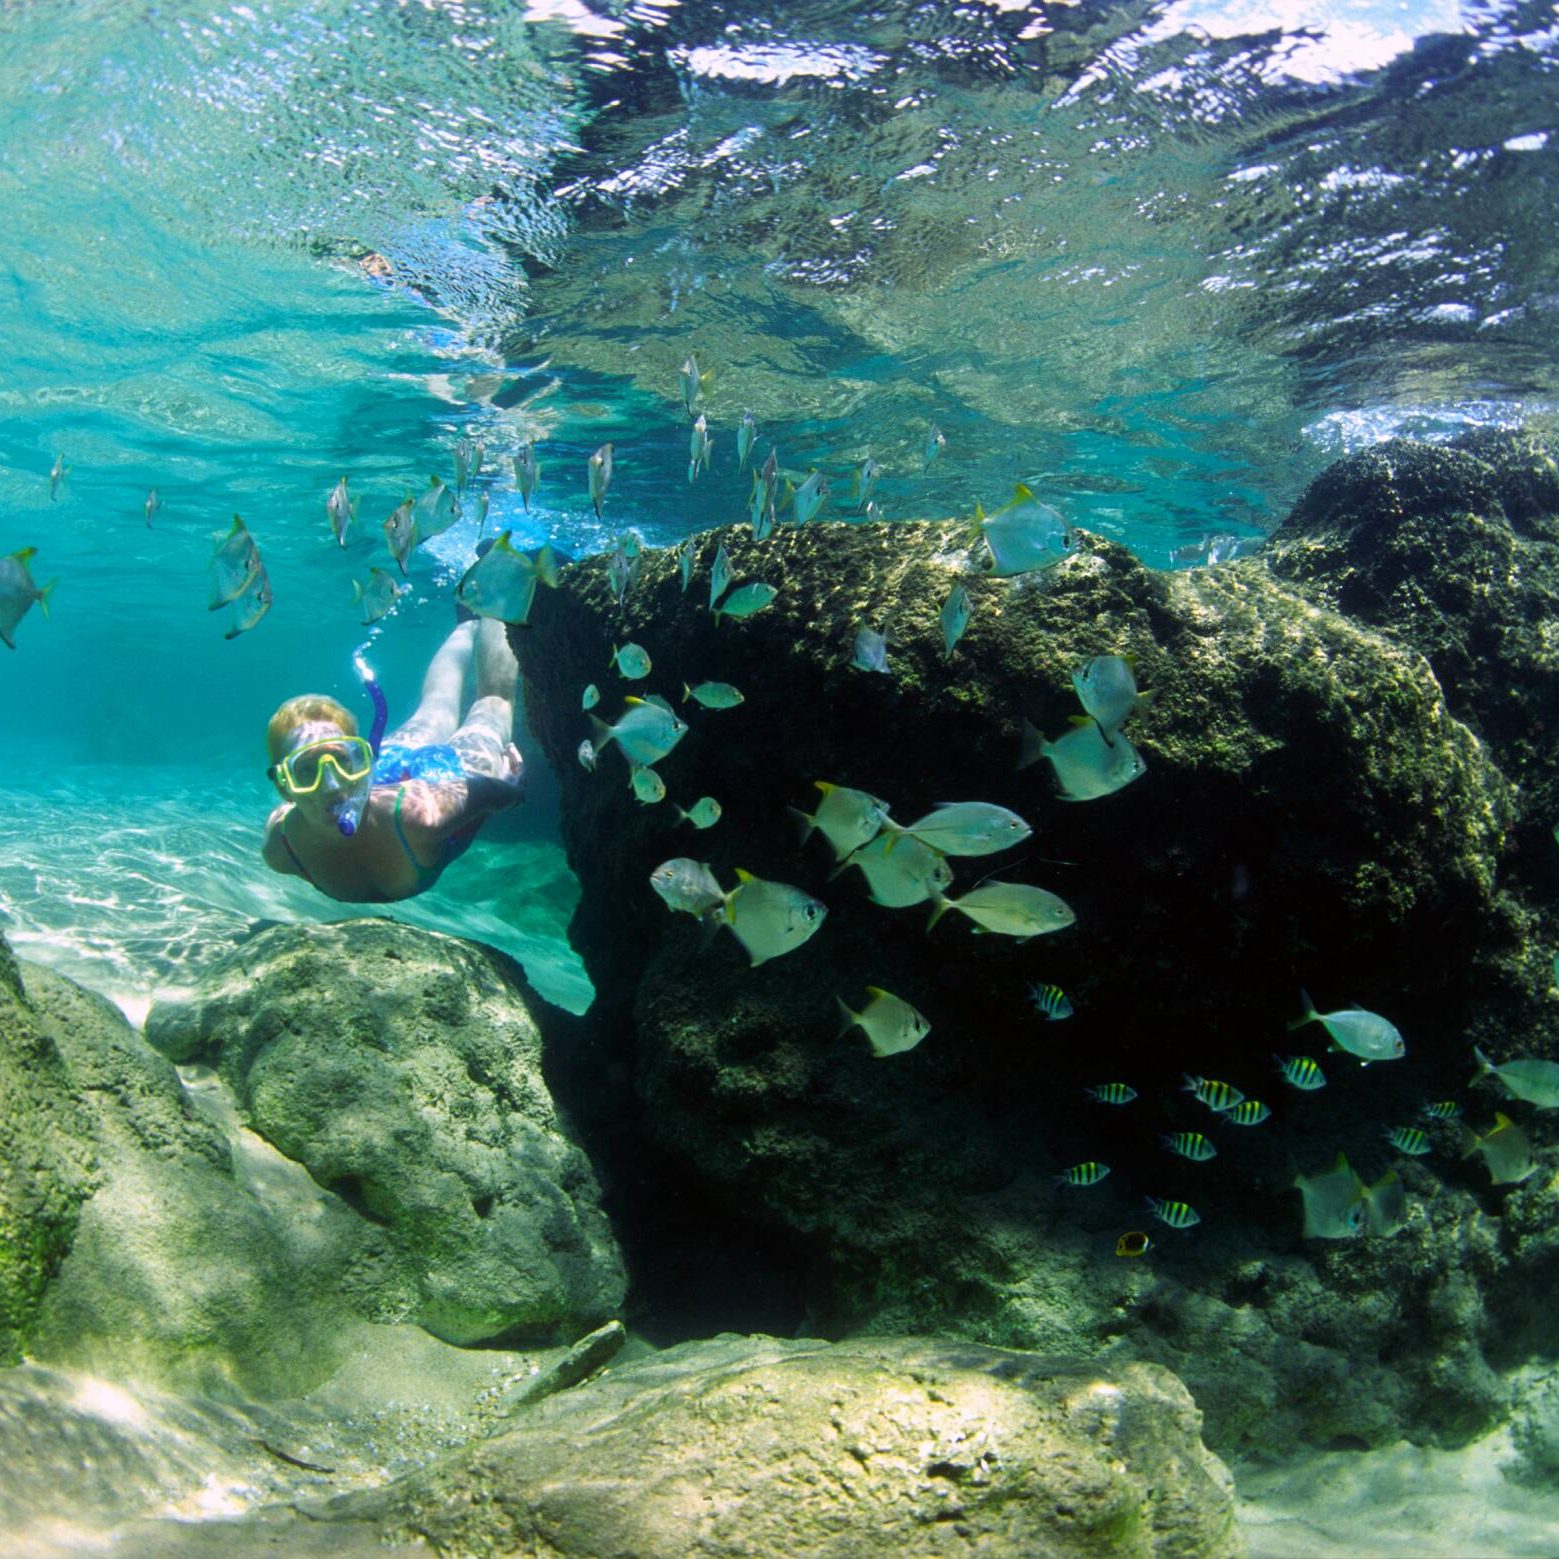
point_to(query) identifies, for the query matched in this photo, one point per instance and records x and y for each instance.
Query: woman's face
(335, 794)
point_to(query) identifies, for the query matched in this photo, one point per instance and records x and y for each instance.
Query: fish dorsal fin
(742, 876)
(1341, 1162)
(825, 786)
(25, 554)
(875, 990)
(1501, 1121)
(1389, 1178)
(1024, 492)
(1080, 720)
(630, 699)
(659, 702)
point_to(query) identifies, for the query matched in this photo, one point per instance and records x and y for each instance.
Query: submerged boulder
(1312, 814)
(893, 1446)
(47, 1165)
(403, 1070)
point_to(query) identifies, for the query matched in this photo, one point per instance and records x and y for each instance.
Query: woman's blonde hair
(305, 709)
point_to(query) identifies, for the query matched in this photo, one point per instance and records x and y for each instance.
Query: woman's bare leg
(490, 719)
(437, 714)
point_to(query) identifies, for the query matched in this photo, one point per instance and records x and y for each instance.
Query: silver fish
(1364, 1034)
(590, 698)
(18, 592)
(378, 594)
(846, 818)
(936, 442)
(954, 618)
(807, 499)
(699, 447)
(600, 474)
(401, 533)
(719, 576)
(694, 383)
(435, 510)
(646, 784)
(153, 504)
(620, 571)
(713, 695)
(1024, 534)
(632, 662)
(900, 872)
(1008, 909)
(57, 474)
(1535, 1081)
(468, 463)
(251, 604)
(760, 510)
(967, 828)
(1107, 689)
(644, 734)
(871, 650)
(1506, 1151)
(746, 433)
(501, 583)
(687, 886)
(685, 563)
(234, 565)
(864, 483)
(586, 755)
(704, 813)
(1385, 1205)
(340, 509)
(1087, 767)
(527, 472)
(890, 1024)
(747, 601)
(770, 918)
(1334, 1202)
(483, 503)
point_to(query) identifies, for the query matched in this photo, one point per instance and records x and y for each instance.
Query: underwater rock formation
(1313, 813)
(402, 1069)
(893, 1446)
(47, 1167)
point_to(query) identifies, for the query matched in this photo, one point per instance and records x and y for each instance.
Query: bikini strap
(425, 874)
(303, 870)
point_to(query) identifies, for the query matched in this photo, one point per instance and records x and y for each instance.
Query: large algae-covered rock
(895, 1446)
(1313, 813)
(202, 1260)
(1455, 551)
(47, 1166)
(402, 1068)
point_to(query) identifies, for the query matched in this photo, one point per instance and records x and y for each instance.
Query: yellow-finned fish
(401, 534)
(251, 605)
(889, 1022)
(435, 510)
(846, 818)
(234, 565)
(770, 918)
(378, 594)
(1333, 1201)
(647, 785)
(700, 445)
(1506, 1150)
(18, 592)
(501, 583)
(1133, 1243)
(704, 813)
(967, 828)
(340, 509)
(1087, 766)
(1008, 909)
(527, 472)
(694, 382)
(901, 872)
(646, 732)
(954, 618)
(687, 886)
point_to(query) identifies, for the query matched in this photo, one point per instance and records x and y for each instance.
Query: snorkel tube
(351, 810)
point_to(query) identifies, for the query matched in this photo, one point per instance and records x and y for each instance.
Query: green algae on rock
(402, 1069)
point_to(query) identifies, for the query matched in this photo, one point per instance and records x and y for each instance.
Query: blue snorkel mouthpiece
(350, 812)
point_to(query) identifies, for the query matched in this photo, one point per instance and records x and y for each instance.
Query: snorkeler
(367, 826)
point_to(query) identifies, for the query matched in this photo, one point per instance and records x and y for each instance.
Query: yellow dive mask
(302, 771)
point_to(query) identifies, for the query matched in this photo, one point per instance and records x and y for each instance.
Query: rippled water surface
(1160, 261)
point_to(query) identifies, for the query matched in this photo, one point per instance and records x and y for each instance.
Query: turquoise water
(1162, 263)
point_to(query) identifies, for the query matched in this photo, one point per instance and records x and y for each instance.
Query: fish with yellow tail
(644, 735)
(687, 886)
(1506, 1150)
(401, 534)
(900, 874)
(1334, 1202)
(693, 382)
(1012, 909)
(1106, 687)
(1023, 535)
(1133, 1243)
(769, 919)
(966, 828)
(18, 592)
(700, 446)
(748, 601)
(340, 509)
(1087, 766)
(845, 817)
(890, 1024)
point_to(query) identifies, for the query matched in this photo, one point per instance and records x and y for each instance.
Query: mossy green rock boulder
(47, 1162)
(900, 1447)
(403, 1070)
